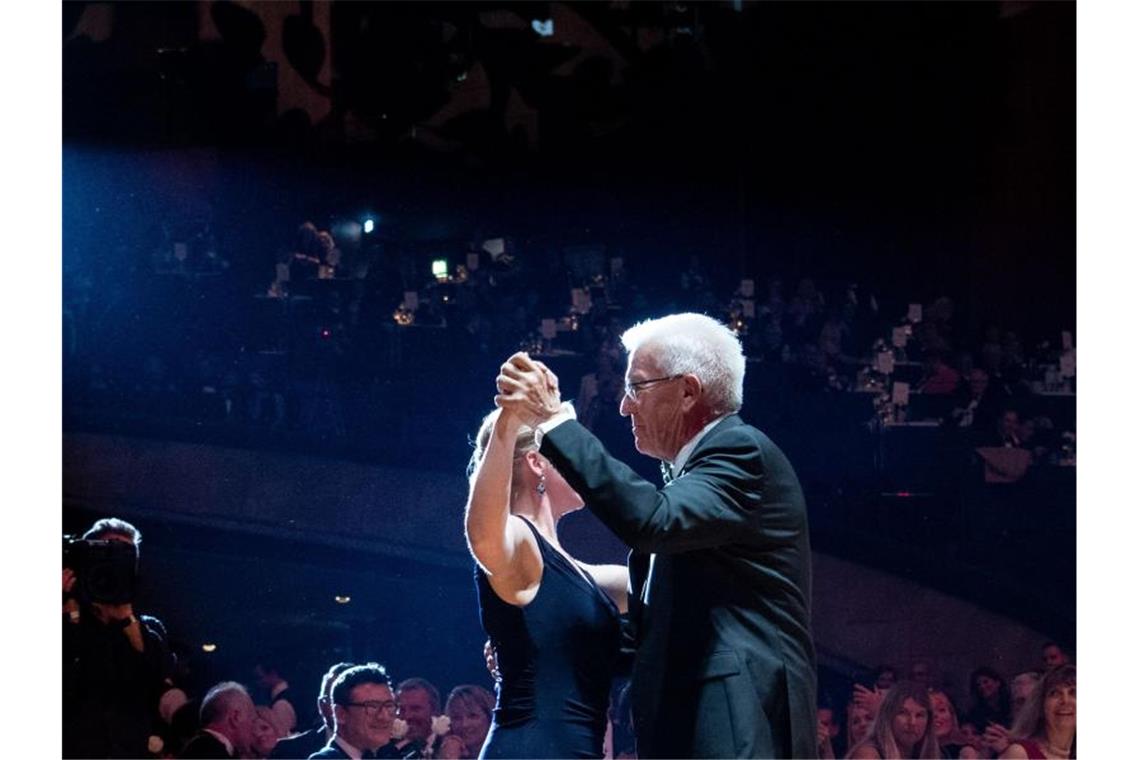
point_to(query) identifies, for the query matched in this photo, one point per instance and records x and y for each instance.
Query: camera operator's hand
(111, 614)
(70, 604)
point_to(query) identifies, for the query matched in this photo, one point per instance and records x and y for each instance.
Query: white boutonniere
(440, 726)
(399, 729)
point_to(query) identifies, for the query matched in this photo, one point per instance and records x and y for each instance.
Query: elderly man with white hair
(720, 568)
(227, 717)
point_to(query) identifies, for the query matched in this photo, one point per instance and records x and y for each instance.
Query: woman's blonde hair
(524, 442)
(882, 735)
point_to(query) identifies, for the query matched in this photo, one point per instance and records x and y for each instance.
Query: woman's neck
(538, 511)
(1058, 741)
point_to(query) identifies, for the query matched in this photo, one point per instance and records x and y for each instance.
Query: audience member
(859, 721)
(902, 729)
(990, 698)
(945, 719)
(939, 378)
(1053, 656)
(469, 707)
(1047, 726)
(418, 702)
(1020, 687)
(978, 404)
(227, 719)
(1008, 432)
(920, 673)
(115, 662)
(265, 734)
(280, 697)
(304, 744)
(363, 711)
(884, 677)
(972, 737)
(828, 731)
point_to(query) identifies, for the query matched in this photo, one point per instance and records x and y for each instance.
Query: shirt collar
(225, 740)
(349, 750)
(687, 450)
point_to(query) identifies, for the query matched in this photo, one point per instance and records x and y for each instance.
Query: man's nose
(625, 405)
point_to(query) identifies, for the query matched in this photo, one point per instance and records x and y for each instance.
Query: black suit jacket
(299, 747)
(329, 752)
(725, 665)
(204, 746)
(332, 751)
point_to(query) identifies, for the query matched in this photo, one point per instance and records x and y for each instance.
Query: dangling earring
(541, 487)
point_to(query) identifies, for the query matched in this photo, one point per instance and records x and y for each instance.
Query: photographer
(115, 662)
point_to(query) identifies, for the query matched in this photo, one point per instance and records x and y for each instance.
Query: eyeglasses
(632, 389)
(373, 707)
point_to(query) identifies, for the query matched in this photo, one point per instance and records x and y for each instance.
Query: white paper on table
(472, 262)
(549, 329)
(748, 288)
(1066, 340)
(412, 299)
(885, 362)
(749, 307)
(495, 246)
(899, 337)
(900, 394)
(914, 312)
(1069, 364)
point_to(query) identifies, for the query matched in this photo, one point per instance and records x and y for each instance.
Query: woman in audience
(859, 720)
(991, 698)
(902, 729)
(265, 733)
(945, 719)
(469, 707)
(1047, 726)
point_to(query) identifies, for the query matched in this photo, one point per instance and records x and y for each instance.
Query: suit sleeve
(716, 498)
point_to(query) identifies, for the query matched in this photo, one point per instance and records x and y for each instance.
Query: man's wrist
(543, 428)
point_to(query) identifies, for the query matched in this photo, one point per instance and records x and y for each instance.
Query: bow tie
(666, 473)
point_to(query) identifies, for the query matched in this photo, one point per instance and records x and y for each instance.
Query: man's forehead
(642, 361)
(372, 690)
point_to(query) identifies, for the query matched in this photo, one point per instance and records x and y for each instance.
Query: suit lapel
(731, 421)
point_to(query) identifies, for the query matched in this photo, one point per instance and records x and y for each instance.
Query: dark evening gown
(557, 657)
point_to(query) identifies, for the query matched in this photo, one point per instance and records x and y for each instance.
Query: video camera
(105, 571)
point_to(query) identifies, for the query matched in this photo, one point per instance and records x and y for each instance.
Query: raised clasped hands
(528, 390)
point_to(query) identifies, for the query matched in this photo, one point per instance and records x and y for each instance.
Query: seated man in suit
(227, 717)
(302, 745)
(720, 572)
(363, 710)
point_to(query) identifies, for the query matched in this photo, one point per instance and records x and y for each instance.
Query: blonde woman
(552, 621)
(902, 729)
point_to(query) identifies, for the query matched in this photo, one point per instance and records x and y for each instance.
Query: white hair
(699, 345)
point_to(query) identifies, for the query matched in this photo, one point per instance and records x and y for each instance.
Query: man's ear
(694, 389)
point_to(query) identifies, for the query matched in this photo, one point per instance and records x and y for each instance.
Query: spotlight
(439, 269)
(342, 599)
(209, 648)
(543, 28)
(369, 225)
